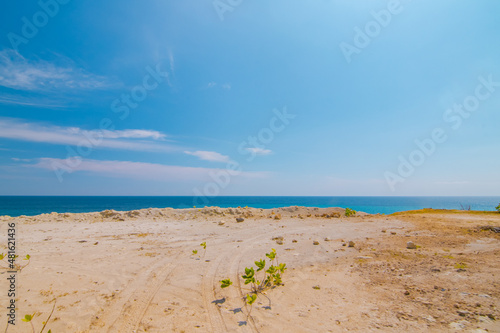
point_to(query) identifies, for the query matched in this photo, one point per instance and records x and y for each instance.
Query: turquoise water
(34, 205)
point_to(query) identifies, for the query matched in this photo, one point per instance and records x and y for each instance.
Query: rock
(294, 241)
(463, 313)
(410, 245)
(315, 242)
(317, 287)
(351, 244)
(393, 232)
(221, 223)
(133, 213)
(327, 239)
(490, 228)
(240, 219)
(277, 216)
(363, 257)
(430, 319)
(279, 241)
(277, 238)
(109, 213)
(435, 270)
(459, 325)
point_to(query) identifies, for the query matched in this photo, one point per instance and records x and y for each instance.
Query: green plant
(226, 283)
(11, 265)
(204, 245)
(28, 319)
(195, 252)
(350, 212)
(271, 278)
(498, 208)
(461, 265)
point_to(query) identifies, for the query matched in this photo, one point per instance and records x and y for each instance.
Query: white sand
(135, 272)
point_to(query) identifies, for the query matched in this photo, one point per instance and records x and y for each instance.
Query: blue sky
(324, 97)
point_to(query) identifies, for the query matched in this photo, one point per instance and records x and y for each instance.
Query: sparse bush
(498, 208)
(270, 279)
(350, 212)
(11, 265)
(28, 318)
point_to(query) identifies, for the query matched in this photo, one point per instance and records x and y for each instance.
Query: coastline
(36, 205)
(115, 271)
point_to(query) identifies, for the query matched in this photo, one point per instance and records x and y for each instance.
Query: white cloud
(136, 170)
(40, 102)
(213, 84)
(15, 159)
(209, 156)
(259, 151)
(117, 139)
(17, 72)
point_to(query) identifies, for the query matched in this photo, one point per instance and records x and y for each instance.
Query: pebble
(430, 319)
(410, 245)
(315, 242)
(351, 244)
(463, 313)
(240, 219)
(459, 325)
(327, 239)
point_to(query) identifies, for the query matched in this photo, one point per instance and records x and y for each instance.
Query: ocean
(34, 205)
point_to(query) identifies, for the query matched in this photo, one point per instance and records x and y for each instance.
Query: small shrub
(271, 278)
(350, 212)
(28, 319)
(498, 208)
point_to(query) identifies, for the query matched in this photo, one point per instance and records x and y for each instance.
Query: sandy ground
(135, 271)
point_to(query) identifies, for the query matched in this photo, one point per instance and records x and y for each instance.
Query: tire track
(134, 309)
(214, 314)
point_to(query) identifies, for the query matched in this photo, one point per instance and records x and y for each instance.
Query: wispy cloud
(213, 84)
(209, 156)
(39, 102)
(259, 151)
(19, 73)
(130, 139)
(138, 170)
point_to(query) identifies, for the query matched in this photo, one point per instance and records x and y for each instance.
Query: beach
(136, 271)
